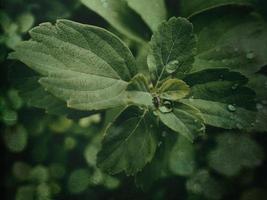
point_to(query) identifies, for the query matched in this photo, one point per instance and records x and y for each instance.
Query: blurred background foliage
(53, 157)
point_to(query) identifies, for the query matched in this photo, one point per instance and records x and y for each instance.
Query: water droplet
(159, 143)
(172, 66)
(104, 3)
(166, 107)
(236, 49)
(231, 108)
(259, 106)
(234, 87)
(250, 55)
(164, 133)
(224, 61)
(191, 99)
(239, 126)
(252, 124)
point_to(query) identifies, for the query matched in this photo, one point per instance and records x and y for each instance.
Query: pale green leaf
(244, 153)
(182, 157)
(26, 81)
(120, 16)
(183, 119)
(174, 89)
(192, 7)
(153, 12)
(223, 115)
(174, 41)
(129, 143)
(84, 65)
(236, 40)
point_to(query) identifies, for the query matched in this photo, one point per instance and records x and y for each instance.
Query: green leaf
(202, 183)
(193, 7)
(158, 168)
(16, 139)
(153, 12)
(25, 22)
(174, 41)
(235, 40)
(244, 153)
(138, 92)
(26, 81)
(84, 65)
(129, 143)
(120, 16)
(173, 89)
(223, 115)
(183, 119)
(221, 85)
(182, 157)
(222, 98)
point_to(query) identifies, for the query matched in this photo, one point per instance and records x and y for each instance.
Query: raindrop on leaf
(250, 55)
(172, 66)
(234, 87)
(231, 108)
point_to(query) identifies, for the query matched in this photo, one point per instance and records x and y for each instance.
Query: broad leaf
(222, 98)
(129, 143)
(183, 119)
(182, 157)
(221, 85)
(159, 166)
(192, 7)
(234, 40)
(244, 153)
(223, 115)
(120, 16)
(84, 65)
(26, 81)
(172, 47)
(153, 11)
(173, 89)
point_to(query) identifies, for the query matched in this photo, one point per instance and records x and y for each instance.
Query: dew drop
(239, 126)
(164, 133)
(231, 108)
(259, 106)
(166, 107)
(250, 55)
(191, 99)
(172, 66)
(159, 143)
(224, 61)
(104, 3)
(234, 87)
